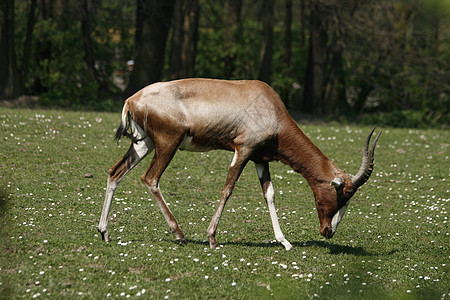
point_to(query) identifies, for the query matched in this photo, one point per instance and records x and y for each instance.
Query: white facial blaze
(338, 217)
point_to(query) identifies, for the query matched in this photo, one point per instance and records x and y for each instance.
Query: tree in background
(287, 36)
(232, 35)
(265, 66)
(87, 43)
(153, 20)
(183, 45)
(394, 59)
(323, 85)
(325, 56)
(10, 78)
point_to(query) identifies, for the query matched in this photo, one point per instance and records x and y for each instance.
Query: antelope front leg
(151, 180)
(266, 184)
(238, 164)
(170, 219)
(212, 228)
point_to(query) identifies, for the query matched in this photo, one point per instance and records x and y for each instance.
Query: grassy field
(394, 242)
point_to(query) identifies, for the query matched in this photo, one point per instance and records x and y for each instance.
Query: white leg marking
(136, 129)
(273, 216)
(103, 224)
(145, 144)
(259, 170)
(142, 148)
(338, 217)
(269, 195)
(235, 157)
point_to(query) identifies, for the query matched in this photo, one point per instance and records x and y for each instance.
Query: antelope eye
(349, 191)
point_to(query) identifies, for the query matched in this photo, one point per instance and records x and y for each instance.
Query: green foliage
(407, 119)
(211, 53)
(395, 54)
(58, 70)
(392, 243)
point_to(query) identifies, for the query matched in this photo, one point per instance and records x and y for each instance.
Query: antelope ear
(336, 182)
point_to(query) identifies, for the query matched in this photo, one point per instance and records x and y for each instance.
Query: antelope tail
(124, 124)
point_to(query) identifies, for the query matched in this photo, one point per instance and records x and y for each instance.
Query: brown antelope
(247, 117)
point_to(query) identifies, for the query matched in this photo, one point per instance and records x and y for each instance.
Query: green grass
(392, 244)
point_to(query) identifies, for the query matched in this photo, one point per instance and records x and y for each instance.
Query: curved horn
(367, 162)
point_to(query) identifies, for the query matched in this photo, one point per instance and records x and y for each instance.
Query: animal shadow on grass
(240, 243)
(334, 249)
(3, 202)
(342, 249)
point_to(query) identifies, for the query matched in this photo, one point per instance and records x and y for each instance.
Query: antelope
(246, 117)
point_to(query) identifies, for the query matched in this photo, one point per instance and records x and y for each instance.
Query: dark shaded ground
(20, 102)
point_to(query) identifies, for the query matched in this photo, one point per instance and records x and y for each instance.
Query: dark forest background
(386, 60)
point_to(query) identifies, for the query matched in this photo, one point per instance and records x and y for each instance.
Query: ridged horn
(367, 162)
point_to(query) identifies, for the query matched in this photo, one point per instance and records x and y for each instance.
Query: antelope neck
(299, 152)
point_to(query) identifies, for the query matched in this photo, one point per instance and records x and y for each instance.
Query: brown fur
(247, 117)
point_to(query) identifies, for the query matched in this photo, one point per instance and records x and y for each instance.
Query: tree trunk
(153, 20)
(29, 34)
(288, 34)
(361, 99)
(232, 34)
(315, 70)
(43, 47)
(303, 22)
(175, 68)
(89, 57)
(287, 48)
(323, 84)
(184, 39)
(10, 80)
(190, 37)
(265, 67)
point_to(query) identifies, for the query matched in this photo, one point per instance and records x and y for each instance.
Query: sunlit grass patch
(393, 242)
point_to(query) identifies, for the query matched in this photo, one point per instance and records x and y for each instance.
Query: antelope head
(333, 198)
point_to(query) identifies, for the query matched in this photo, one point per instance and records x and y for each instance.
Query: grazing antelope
(247, 117)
